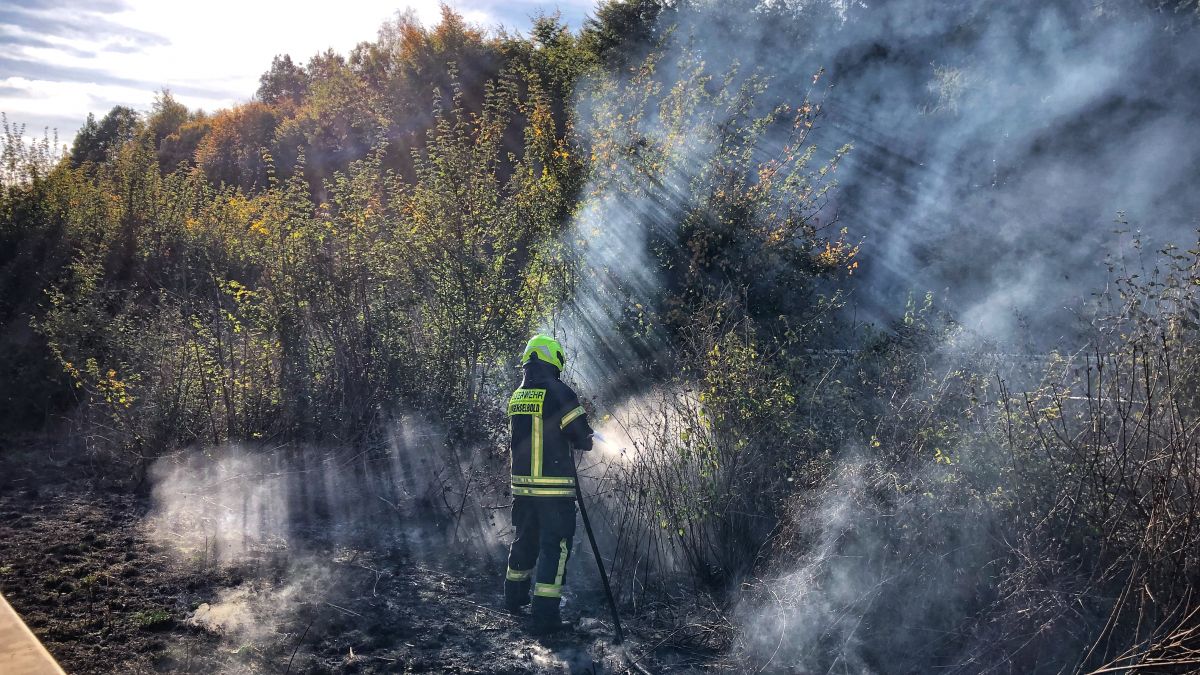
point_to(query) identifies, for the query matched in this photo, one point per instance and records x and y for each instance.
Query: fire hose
(587, 526)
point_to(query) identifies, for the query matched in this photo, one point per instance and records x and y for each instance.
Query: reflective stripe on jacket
(545, 422)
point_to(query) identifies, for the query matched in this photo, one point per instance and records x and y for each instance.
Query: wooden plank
(21, 653)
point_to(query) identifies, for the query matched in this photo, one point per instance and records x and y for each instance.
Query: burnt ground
(78, 564)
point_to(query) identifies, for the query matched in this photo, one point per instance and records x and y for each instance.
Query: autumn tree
(179, 147)
(234, 150)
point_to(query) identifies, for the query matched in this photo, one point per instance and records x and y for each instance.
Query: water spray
(587, 526)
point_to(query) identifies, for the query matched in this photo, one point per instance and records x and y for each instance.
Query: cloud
(11, 39)
(36, 70)
(119, 48)
(520, 12)
(104, 6)
(47, 44)
(88, 26)
(64, 105)
(994, 145)
(61, 126)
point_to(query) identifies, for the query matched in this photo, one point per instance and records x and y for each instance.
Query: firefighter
(545, 422)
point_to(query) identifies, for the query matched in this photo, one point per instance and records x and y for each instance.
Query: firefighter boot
(516, 594)
(546, 618)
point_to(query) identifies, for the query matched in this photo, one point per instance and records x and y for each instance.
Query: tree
(336, 124)
(408, 62)
(179, 148)
(21, 162)
(556, 56)
(232, 151)
(622, 32)
(165, 117)
(284, 83)
(97, 141)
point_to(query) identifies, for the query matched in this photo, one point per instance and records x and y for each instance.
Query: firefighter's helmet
(545, 349)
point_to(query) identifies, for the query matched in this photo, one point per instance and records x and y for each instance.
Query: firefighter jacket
(545, 421)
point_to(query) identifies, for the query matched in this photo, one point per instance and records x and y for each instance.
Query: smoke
(236, 503)
(1005, 154)
(998, 148)
(637, 422)
(884, 583)
(619, 282)
(259, 610)
(996, 144)
(610, 323)
(286, 523)
(221, 508)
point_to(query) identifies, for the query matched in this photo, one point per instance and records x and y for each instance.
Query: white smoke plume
(998, 150)
(1003, 153)
(996, 145)
(883, 576)
(239, 503)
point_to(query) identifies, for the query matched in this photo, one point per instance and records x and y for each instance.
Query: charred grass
(77, 563)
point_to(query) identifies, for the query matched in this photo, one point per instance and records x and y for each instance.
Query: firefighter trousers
(538, 557)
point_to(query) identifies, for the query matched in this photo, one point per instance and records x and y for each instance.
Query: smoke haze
(1005, 155)
(292, 518)
(996, 150)
(995, 145)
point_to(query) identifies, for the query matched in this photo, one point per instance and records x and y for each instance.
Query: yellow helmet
(547, 349)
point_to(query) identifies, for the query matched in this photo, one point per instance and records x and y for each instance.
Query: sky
(63, 59)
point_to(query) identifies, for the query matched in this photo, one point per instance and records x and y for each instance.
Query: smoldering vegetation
(889, 313)
(318, 534)
(942, 489)
(998, 149)
(222, 505)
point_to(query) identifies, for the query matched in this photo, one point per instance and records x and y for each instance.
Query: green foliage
(284, 83)
(97, 141)
(379, 233)
(22, 162)
(174, 132)
(621, 32)
(32, 213)
(166, 117)
(748, 211)
(724, 182)
(182, 308)
(488, 273)
(151, 619)
(556, 56)
(178, 149)
(409, 65)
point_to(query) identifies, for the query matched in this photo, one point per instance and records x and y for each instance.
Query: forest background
(362, 249)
